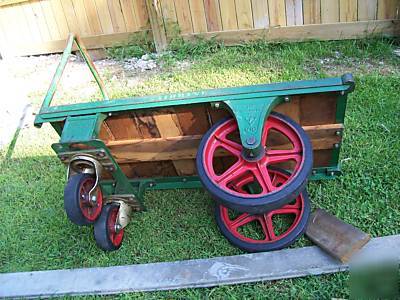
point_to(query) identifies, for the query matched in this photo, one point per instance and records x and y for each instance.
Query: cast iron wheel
(273, 230)
(287, 146)
(79, 208)
(106, 234)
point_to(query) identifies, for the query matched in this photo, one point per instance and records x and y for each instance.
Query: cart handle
(61, 66)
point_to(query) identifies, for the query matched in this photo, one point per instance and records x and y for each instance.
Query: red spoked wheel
(106, 232)
(286, 145)
(80, 208)
(273, 230)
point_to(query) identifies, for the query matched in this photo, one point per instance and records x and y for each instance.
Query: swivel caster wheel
(273, 230)
(286, 146)
(106, 232)
(80, 208)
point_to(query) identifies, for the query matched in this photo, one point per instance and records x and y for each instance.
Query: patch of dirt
(337, 65)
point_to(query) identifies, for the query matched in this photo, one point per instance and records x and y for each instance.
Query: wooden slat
(294, 12)
(329, 11)
(141, 14)
(129, 15)
(388, 9)
(260, 13)
(104, 16)
(17, 23)
(228, 15)
(50, 20)
(244, 14)
(277, 14)
(31, 20)
(367, 10)
(213, 15)
(198, 16)
(61, 20)
(8, 2)
(93, 17)
(183, 15)
(169, 16)
(348, 10)
(312, 11)
(117, 17)
(177, 148)
(168, 126)
(70, 15)
(157, 25)
(339, 31)
(83, 22)
(40, 20)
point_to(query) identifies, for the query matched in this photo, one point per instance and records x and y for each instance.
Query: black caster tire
(266, 242)
(105, 233)
(78, 207)
(270, 197)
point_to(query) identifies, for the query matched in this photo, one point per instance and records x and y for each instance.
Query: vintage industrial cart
(256, 147)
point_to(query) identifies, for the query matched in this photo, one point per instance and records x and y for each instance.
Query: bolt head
(216, 105)
(101, 154)
(109, 114)
(93, 199)
(118, 227)
(314, 172)
(251, 140)
(338, 133)
(337, 145)
(287, 99)
(342, 93)
(332, 173)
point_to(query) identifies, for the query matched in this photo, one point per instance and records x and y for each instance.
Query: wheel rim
(114, 235)
(266, 229)
(89, 209)
(221, 143)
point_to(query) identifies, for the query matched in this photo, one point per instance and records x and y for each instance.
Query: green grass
(36, 234)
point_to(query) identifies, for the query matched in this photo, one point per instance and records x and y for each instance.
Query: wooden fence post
(157, 24)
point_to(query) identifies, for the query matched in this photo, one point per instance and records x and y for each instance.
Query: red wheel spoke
(241, 220)
(233, 172)
(267, 227)
(277, 156)
(266, 129)
(231, 146)
(286, 210)
(263, 178)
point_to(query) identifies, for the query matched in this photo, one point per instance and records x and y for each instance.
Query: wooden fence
(41, 26)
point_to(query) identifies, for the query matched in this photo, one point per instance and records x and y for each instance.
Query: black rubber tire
(259, 247)
(101, 231)
(71, 200)
(271, 201)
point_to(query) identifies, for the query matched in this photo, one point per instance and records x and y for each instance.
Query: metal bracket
(126, 203)
(250, 116)
(85, 164)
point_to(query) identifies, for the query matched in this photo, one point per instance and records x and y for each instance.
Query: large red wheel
(286, 146)
(273, 230)
(80, 208)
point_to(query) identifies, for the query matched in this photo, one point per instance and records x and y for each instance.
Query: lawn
(179, 224)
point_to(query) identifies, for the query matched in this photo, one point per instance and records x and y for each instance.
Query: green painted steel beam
(50, 114)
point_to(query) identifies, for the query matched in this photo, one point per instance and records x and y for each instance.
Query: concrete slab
(275, 265)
